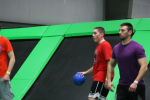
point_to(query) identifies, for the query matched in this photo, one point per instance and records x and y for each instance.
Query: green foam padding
(33, 65)
(24, 33)
(142, 37)
(144, 25)
(56, 30)
(111, 27)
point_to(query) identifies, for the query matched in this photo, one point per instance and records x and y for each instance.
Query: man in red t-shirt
(102, 56)
(6, 51)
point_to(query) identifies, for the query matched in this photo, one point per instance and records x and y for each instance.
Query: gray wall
(51, 12)
(141, 9)
(117, 9)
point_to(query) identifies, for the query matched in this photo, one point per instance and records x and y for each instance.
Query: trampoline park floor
(22, 49)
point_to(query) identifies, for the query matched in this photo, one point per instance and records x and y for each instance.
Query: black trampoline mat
(147, 84)
(56, 80)
(22, 49)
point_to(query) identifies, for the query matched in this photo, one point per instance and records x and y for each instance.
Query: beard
(123, 37)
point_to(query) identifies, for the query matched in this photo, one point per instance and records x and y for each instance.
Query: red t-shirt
(5, 47)
(102, 53)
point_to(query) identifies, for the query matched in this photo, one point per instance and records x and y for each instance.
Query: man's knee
(92, 98)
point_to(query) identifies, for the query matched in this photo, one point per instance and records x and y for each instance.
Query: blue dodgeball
(78, 79)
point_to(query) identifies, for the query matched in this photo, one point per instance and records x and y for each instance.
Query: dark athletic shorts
(124, 94)
(98, 91)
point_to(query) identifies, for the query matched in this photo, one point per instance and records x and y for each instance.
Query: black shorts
(98, 91)
(124, 94)
(141, 92)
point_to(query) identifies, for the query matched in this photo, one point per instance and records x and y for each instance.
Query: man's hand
(108, 85)
(83, 73)
(6, 77)
(133, 87)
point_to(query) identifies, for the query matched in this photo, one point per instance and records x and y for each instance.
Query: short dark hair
(129, 25)
(100, 29)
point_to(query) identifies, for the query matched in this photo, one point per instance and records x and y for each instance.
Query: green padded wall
(144, 25)
(33, 65)
(142, 37)
(24, 33)
(111, 27)
(56, 30)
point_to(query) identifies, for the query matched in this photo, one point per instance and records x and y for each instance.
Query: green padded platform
(142, 37)
(56, 30)
(24, 33)
(33, 65)
(111, 27)
(144, 25)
